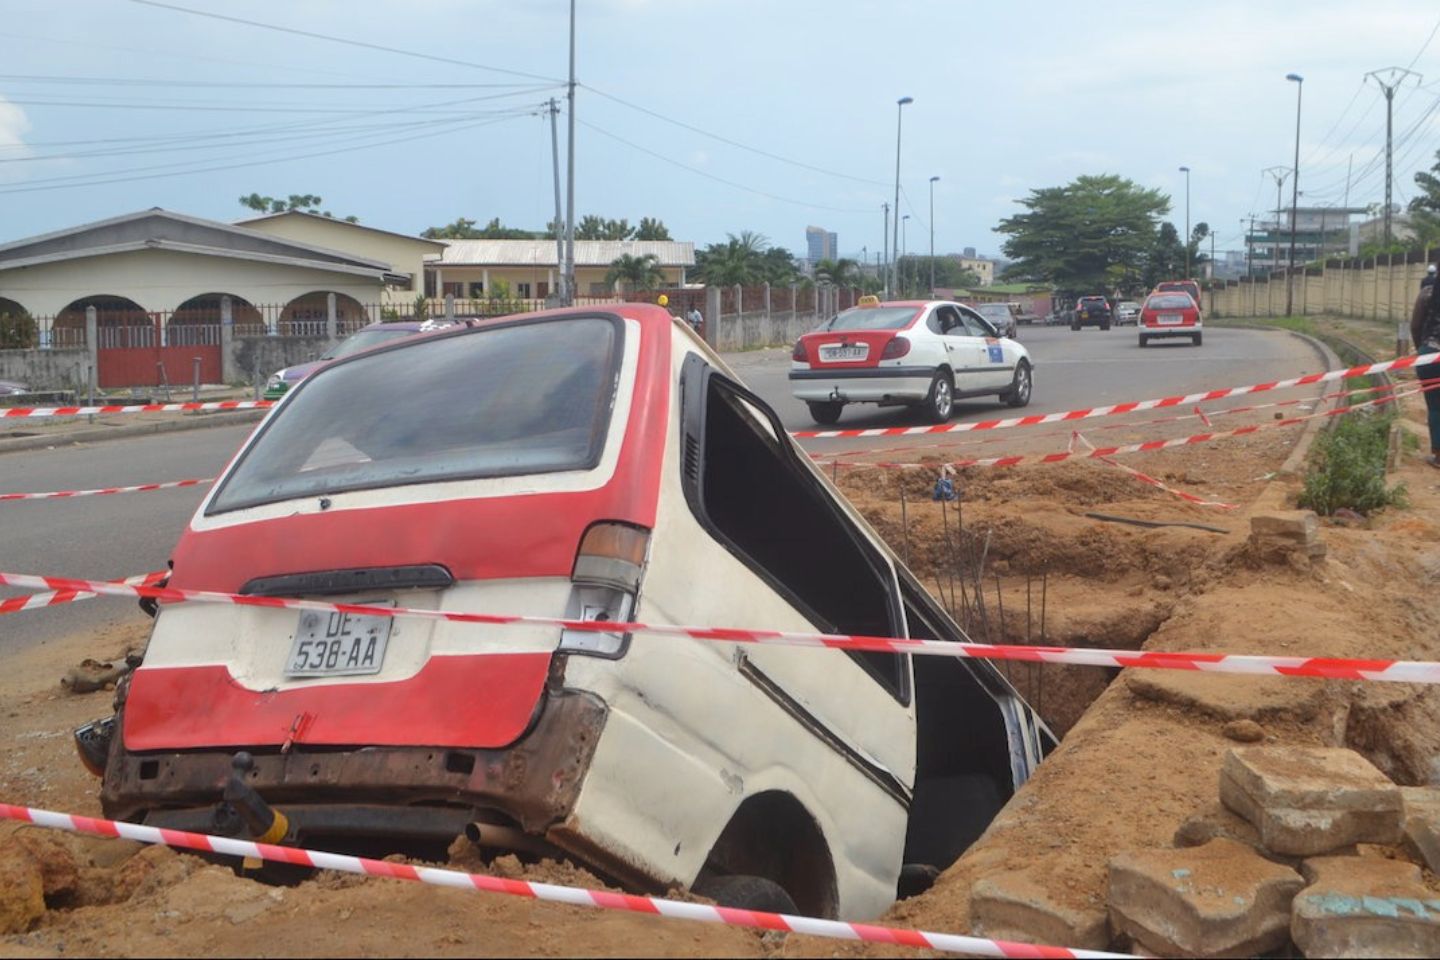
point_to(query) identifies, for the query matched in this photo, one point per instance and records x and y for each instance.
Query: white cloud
(13, 127)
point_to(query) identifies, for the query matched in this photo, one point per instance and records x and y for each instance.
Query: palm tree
(837, 273)
(740, 260)
(636, 273)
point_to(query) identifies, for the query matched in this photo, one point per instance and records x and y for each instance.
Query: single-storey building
(406, 255)
(157, 263)
(530, 269)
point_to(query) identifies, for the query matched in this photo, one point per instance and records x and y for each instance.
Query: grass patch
(1347, 469)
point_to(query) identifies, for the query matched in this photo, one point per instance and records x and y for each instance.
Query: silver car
(1127, 311)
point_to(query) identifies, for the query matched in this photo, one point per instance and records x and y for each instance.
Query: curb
(44, 441)
(1301, 450)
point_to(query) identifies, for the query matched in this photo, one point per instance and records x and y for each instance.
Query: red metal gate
(141, 351)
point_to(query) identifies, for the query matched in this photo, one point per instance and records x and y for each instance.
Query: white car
(917, 353)
(1127, 311)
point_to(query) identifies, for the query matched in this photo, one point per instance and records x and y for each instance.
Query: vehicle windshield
(1170, 301)
(526, 398)
(1129, 305)
(872, 318)
(993, 310)
(364, 340)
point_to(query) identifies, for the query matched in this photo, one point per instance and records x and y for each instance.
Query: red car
(1170, 315)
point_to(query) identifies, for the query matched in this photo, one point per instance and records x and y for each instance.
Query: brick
(1310, 800)
(1218, 900)
(1365, 907)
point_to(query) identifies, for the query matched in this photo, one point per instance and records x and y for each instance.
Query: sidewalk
(41, 433)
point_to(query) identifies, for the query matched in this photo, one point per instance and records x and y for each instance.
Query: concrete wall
(252, 357)
(748, 331)
(161, 280)
(1383, 288)
(46, 369)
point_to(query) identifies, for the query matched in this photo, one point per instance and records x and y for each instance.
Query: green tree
(652, 229)
(1165, 259)
(303, 202)
(842, 272)
(739, 260)
(1090, 235)
(592, 227)
(636, 273)
(1425, 206)
(778, 267)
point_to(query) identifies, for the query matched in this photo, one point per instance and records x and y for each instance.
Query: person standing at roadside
(1429, 279)
(1425, 334)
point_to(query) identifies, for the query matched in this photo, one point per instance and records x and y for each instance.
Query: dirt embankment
(1143, 757)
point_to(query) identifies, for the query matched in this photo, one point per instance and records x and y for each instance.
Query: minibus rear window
(524, 398)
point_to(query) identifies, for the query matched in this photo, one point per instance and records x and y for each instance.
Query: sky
(716, 117)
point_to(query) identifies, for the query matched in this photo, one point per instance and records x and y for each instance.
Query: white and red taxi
(918, 353)
(597, 464)
(1172, 314)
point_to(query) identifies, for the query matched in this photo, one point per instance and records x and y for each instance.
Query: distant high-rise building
(969, 253)
(820, 244)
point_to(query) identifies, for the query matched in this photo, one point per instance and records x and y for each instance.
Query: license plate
(1171, 318)
(857, 351)
(339, 644)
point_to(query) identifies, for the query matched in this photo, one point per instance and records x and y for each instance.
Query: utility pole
(1249, 243)
(1299, 82)
(886, 207)
(1281, 174)
(560, 294)
(569, 268)
(932, 237)
(895, 239)
(1396, 76)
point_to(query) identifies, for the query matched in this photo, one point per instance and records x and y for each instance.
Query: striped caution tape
(102, 491)
(56, 598)
(553, 893)
(1396, 671)
(1116, 409)
(108, 409)
(1152, 481)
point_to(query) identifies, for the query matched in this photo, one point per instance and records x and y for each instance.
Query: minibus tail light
(608, 569)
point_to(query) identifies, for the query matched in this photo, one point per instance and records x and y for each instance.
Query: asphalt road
(116, 536)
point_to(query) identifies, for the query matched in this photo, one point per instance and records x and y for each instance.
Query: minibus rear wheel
(745, 892)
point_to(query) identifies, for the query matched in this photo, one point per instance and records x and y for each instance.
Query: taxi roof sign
(869, 300)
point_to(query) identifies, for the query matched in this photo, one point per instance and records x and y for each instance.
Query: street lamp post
(895, 240)
(1186, 171)
(904, 246)
(1294, 194)
(932, 237)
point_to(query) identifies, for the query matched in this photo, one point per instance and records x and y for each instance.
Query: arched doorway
(306, 315)
(121, 321)
(198, 320)
(18, 330)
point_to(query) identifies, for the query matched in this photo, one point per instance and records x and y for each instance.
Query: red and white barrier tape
(1395, 671)
(1115, 409)
(573, 896)
(56, 598)
(1152, 481)
(1099, 453)
(8, 412)
(139, 488)
(1203, 416)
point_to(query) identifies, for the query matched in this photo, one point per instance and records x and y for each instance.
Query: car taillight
(606, 578)
(798, 354)
(895, 348)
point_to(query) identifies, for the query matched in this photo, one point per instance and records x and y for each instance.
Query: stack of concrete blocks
(1307, 845)
(1287, 536)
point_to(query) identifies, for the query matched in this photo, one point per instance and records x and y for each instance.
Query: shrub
(18, 331)
(1348, 467)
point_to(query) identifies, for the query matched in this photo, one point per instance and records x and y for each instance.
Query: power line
(710, 176)
(1425, 46)
(241, 84)
(450, 126)
(726, 140)
(343, 40)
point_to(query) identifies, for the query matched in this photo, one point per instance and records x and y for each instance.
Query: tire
(825, 412)
(1196, 339)
(939, 403)
(1075, 326)
(1020, 388)
(1104, 326)
(745, 892)
(1143, 341)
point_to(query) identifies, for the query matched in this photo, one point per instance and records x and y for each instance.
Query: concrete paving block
(1219, 900)
(1365, 907)
(1311, 800)
(1019, 906)
(1422, 822)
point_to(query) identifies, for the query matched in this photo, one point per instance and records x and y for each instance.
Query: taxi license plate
(1171, 318)
(339, 644)
(857, 351)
